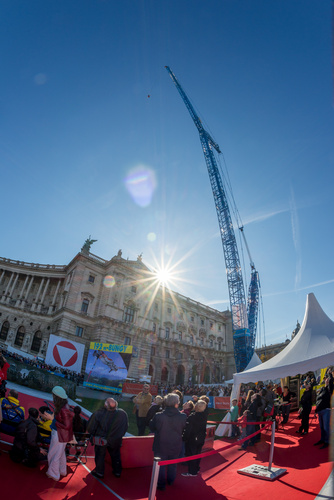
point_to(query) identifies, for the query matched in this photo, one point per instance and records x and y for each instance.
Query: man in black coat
(110, 423)
(168, 427)
(194, 437)
(26, 448)
(323, 409)
(306, 407)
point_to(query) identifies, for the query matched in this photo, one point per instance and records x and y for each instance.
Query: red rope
(213, 452)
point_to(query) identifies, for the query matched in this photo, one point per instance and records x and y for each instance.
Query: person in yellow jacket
(143, 401)
(45, 420)
(12, 412)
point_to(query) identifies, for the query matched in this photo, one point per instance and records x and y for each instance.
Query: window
(134, 289)
(4, 331)
(219, 345)
(180, 336)
(154, 328)
(192, 318)
(167, 354)
(219, 328)
(180, 356)
(169, 310)
(211, 325)
(211, 343)
(201, 341)
(91, 278)
(127, 341)
(191, 339)
(19, 336)
(79, 331)
(36, 341)
(84, 305)
(129, 314)
(167, 332)
(152, 351)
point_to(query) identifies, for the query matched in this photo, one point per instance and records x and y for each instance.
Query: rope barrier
(158, 462)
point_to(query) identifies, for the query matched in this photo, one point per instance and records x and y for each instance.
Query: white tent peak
(254, 361)
(311, 349)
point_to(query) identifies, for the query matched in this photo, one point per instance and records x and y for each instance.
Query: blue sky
(77, 126)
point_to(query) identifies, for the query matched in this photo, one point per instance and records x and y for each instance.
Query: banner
(134, 388)
(64, 353)
(107, 366)
(222, 403)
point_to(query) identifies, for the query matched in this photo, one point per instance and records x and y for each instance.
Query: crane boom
(242, 340)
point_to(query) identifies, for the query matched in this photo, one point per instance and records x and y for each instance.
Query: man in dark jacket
(110, 423)
(194, 436)
(251, 415)
(306, 407)
(168, 428)
(323, 409)
(26, 443)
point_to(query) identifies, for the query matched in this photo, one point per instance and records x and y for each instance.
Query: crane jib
(244, 316)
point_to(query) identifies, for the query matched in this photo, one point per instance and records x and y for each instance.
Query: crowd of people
(199, 390)
(40, 364)
(179, 427)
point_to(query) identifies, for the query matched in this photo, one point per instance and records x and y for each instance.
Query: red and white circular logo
(65, 353)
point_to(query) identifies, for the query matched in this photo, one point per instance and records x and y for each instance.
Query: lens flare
(141, 184)
(151, 236)
(109, 281)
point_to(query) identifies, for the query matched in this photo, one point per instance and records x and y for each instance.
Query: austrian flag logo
(65, 353)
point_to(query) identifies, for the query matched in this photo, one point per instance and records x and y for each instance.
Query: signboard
(222, 403)
(107, 366)
(64, 353)
(133, 388)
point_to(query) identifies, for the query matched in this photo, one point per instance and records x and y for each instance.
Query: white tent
(254, 361)
(312, 348)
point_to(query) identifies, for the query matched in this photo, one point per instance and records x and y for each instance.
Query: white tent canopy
(311, 348)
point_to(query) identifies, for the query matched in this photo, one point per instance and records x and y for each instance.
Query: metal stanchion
(154, 478)
(270, 473)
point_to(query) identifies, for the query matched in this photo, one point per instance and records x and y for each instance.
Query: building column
(3, 298)
(24, 298)
(19, 300)
(33, 307)
(51, 308)
(40, 305)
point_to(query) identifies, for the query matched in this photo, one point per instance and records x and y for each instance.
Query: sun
(163, 275)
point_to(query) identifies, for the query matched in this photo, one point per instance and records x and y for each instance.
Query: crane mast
(243, 339)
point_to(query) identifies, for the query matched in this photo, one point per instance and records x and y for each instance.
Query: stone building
(175, 339)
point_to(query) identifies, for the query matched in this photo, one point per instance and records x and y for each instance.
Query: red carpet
(307, 466)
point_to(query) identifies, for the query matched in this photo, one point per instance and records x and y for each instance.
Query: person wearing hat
(61, 434)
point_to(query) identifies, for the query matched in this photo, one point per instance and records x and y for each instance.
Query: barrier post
(270, 473)
(271, 452)
(154, 478)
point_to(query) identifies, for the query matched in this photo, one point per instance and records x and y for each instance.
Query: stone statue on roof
(88, 243)
(296, 330)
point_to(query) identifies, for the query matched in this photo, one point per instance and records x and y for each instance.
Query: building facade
(175, 339)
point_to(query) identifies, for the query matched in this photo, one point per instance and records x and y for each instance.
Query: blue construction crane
(244, 316)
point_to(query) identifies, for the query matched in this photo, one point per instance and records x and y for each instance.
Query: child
(234, 417)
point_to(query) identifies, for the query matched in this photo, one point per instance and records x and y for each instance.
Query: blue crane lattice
(244, 317)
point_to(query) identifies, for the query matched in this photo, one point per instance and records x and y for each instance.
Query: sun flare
(163, 275)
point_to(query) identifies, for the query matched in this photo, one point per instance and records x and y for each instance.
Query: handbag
(99, 440)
